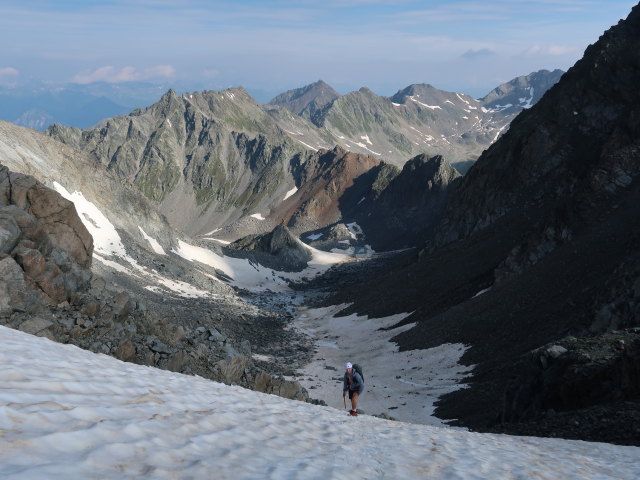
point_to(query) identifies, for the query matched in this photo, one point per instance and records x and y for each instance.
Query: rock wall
(45, 249)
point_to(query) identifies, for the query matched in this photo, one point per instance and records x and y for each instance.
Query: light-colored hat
(348, 365)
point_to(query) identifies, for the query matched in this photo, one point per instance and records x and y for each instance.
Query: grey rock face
(9, 233)
(14, 293)
(308, 102)
(35, 326)
(48, 243)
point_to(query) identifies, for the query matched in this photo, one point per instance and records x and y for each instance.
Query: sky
(270, 46)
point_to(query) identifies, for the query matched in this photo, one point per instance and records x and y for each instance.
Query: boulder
(50, 246)
(126, 350)
(556, 350)
(57, 215)
(35, 326)
(14, 293)
(9, 233)
(234, 370)
(178, 362)
(278, 386)
(122, 305)
(157, 346)
(45, 274)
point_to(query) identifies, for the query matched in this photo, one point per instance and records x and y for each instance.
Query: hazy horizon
(273, 46)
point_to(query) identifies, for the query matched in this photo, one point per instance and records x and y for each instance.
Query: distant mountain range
(222, 160)
(417, 119)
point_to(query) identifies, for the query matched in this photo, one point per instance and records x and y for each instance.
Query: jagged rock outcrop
(322, 179)
(278, 249)
(46, 248)
(409, 208)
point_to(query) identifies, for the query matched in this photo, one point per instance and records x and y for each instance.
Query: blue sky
(271, 46)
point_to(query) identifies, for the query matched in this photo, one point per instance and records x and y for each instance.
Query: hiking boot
(353, 413)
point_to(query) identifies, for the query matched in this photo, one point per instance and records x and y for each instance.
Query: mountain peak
(171, 94)
(521, 92)
(307, 101)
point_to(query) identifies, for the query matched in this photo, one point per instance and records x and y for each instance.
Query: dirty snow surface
(404, 385)
(59, 419)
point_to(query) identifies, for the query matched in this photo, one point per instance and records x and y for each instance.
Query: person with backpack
(354, 384)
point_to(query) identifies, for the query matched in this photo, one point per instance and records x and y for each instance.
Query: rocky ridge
(417, 119)
(408, 210)
(203, 158)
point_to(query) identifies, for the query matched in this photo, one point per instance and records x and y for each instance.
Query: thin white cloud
(473, 54)
(111, 74)
(550, 50)
(9, 72)
(211, 73)
(560, 50)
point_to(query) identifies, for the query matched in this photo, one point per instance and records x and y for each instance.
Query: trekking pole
(345, 402)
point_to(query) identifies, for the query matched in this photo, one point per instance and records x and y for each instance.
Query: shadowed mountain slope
(540, 248)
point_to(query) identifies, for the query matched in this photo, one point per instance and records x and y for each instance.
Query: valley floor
(401, 385)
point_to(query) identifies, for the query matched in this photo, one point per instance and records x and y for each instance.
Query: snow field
(392, 385)
(255, 277)
(61, 420)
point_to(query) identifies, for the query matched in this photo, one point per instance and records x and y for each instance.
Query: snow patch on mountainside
(290, 192)
(526, 102)
(106, 240)
(153, 242)
(108, 246)
(59, 419)
(431, 107)
(307, 145)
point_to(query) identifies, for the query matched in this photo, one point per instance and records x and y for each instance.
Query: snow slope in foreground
(68, 413)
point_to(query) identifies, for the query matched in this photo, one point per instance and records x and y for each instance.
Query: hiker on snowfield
(354, 384)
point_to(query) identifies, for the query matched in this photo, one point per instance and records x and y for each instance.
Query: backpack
(358, 369)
